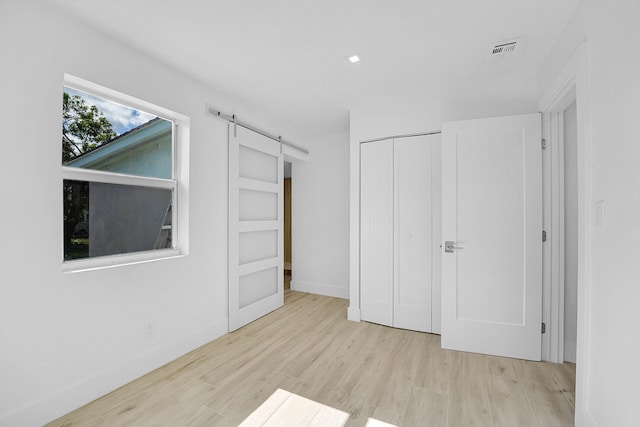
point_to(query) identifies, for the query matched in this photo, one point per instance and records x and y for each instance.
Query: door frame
(571, 83)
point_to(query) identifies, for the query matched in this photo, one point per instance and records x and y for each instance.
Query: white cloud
(122, 118)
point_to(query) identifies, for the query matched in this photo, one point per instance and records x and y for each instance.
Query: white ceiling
(287, 57)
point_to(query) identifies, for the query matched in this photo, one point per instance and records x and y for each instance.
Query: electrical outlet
(149, 330)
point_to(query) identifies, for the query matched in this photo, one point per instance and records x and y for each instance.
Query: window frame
(180, 135)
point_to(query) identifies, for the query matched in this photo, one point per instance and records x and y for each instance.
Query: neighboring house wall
(153, 160)
(143, 151)
(125, 219)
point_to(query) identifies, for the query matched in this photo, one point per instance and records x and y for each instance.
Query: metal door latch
(450, 246)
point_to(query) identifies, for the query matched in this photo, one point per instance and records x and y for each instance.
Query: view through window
(118, 178)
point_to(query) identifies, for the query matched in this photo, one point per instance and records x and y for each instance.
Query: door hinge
(544, 327)
(544, 144)
(544, 236)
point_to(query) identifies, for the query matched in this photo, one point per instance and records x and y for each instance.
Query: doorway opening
(287, 226)
(570, 217)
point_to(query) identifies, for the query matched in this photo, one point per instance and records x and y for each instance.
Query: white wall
(320, 219)
(611, 369)
(66, 339)
(570, 231)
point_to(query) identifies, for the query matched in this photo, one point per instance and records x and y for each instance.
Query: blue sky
(122, 118)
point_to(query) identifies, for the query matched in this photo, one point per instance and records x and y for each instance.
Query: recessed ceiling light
(353, 59)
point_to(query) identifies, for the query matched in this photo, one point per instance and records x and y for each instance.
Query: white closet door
(413, 234)
(256, 226)
(376, 232)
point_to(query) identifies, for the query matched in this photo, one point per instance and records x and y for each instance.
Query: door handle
(450, 246)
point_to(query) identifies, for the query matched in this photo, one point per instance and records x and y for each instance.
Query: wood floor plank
(243, 400)
(398, 374)
(319, 380)
(297, 408)
(371, 414)
(76, 420)
(468, 400)
(329, 417)
(185, 415)
(538, 373)
(500, 367)
(383, 415)
(571, 398)
(565, 375)
(295, 363)
(309, 349)
(551, 407)
(148, 405)
(265, 410)
(241, 395)
(509, 403)
(433, 371)
(197, 416)
(353, 392)
(425, 409)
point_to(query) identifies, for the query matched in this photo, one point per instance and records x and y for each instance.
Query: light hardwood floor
(309, 348)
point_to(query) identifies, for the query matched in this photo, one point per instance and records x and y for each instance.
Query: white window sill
(100, 263)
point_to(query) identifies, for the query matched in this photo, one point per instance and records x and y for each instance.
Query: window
(119, 178)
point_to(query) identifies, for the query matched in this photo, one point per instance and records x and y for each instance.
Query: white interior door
(376, 232)
(413, 233)
(256, 226)
(492, 215)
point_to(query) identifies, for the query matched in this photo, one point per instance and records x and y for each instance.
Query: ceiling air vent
(505, 48)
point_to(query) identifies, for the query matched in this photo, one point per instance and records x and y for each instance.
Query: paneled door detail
(412, 237)
(492, 232)
(376, 232)
(396, 236)
(256, 227)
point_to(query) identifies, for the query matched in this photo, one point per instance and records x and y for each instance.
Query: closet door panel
(413, 233)
(376, 232)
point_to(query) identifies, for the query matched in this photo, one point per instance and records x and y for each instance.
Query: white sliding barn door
(412, 236)
(376, 232)
(396, 232)
(492, 227)
(255, 226)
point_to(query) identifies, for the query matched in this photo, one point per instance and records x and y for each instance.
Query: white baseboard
(583, 419)
(353, 314)
(76, 395)
(320, 289)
